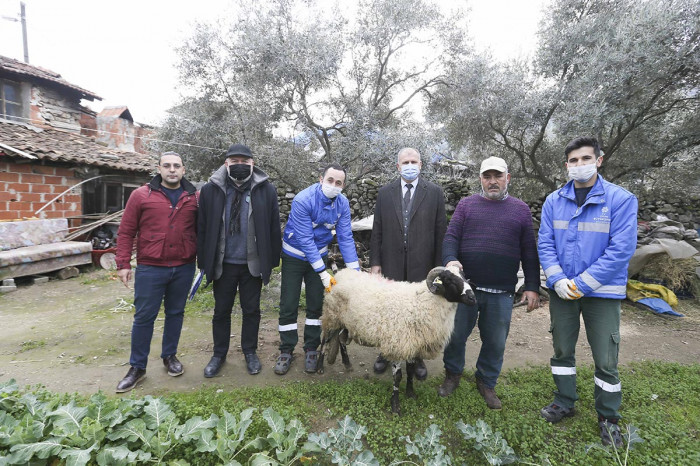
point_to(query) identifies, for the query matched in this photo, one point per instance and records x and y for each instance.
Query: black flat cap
(239, 149)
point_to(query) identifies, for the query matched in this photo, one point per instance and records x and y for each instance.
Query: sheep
(404, 320)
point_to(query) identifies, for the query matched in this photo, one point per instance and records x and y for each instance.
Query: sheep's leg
(410, 371)
(345, 357)
(322, 354)
(396, 372)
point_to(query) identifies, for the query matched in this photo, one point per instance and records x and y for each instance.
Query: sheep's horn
(430, 279)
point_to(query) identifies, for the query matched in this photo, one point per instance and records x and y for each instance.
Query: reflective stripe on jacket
(591, 244)
(310, 227)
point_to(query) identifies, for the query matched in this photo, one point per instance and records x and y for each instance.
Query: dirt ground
(73, 335)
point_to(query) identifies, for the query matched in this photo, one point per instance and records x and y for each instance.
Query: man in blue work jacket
(586, 239)
(318, 212)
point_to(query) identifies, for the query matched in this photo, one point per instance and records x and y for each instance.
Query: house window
(10, 100)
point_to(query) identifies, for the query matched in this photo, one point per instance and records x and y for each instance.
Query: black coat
(426, 230)
(268, 233)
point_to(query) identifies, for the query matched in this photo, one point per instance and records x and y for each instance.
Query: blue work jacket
(312, 222)
(591, 244)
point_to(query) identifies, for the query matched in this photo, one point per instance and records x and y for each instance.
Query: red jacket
(166, 236)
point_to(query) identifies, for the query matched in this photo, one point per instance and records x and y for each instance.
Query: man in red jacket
(162, 216)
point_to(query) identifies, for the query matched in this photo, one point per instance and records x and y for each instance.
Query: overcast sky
(124, 51)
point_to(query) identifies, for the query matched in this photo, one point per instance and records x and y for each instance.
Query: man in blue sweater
(489, 236)
(586, 239)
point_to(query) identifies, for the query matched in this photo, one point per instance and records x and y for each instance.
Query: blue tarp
(659, 306)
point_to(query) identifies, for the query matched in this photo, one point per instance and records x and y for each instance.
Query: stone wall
(363, 196)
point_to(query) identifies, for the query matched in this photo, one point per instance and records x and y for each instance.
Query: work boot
(610, 433)
(450, 383)
(311, 361)
(380, 364)
(252, 363)
(421, 370)
(214, 366)
(489, 394)
(132, 378)
(173, 366)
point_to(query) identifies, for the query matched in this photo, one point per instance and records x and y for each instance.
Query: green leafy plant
(230, 434)
(282, 445)
(344, 445)
(630, 438)
(427, 447)
(491, 444)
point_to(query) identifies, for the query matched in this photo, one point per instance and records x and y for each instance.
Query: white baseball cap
(493, 163)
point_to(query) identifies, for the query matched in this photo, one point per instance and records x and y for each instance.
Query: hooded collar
(220, 176)
(155, 184)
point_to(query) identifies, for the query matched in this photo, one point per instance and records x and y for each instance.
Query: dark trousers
(493, 312)
(154, 285)
(236, 277)
(294, 271)
(601, 317)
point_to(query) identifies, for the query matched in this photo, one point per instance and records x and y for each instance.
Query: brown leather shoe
(450, 384)
(173, 366)
(489, 394)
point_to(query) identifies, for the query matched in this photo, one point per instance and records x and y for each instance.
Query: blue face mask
(409, 172)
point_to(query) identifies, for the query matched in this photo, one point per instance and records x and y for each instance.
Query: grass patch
(31, 344)
(660, 399)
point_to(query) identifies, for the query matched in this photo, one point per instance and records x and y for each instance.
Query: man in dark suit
(409, 226)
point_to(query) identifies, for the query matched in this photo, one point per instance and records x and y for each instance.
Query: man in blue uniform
(586, 239)
(318, 212)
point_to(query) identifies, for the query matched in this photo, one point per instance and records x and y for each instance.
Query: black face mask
(239, 171)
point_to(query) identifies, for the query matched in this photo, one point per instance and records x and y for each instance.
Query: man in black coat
(409, 226)
(239, 242)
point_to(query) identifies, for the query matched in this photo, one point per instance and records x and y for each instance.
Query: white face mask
(409, 172)
(330, 191)
(583, 173)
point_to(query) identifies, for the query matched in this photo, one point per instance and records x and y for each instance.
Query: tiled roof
(69, 147)
(116, 112)
(25, 69)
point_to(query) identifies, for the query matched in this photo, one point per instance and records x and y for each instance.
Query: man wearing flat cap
(489, 236)
(239, 242)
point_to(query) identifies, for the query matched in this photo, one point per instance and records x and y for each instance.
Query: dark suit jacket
(426, 230)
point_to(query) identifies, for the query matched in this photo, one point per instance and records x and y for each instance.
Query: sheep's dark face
(453, 287)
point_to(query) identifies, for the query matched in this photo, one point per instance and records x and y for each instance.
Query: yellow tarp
(637, 290)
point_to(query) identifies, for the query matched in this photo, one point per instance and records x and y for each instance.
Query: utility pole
(23, 17)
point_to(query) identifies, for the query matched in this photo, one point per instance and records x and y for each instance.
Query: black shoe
(132, 378)
(173, 365)
(380, 364)
(214, 366)
(311, 361)
(421, 370)
(610, 433)
(252, 363)
(450, 384)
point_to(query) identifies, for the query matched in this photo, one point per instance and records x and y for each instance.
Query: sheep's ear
(436, 286)
(432, 275)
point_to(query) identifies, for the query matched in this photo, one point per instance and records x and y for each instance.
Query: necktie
(407, 196)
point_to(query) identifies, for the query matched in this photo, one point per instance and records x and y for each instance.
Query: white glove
(567, 289)
(326, 279)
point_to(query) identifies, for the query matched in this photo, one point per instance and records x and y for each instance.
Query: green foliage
(32, 344)
(344, 445)
(491, 444)
(206, 427)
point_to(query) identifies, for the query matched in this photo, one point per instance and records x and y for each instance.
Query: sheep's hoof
(411, 394)
(348, 367)
(320, 370)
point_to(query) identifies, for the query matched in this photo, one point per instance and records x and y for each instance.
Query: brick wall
(26, 187)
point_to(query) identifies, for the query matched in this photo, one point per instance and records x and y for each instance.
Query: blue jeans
(493, 311)
(152, 286)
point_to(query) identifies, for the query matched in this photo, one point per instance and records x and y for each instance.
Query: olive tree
(308, 82)
(624, 71)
